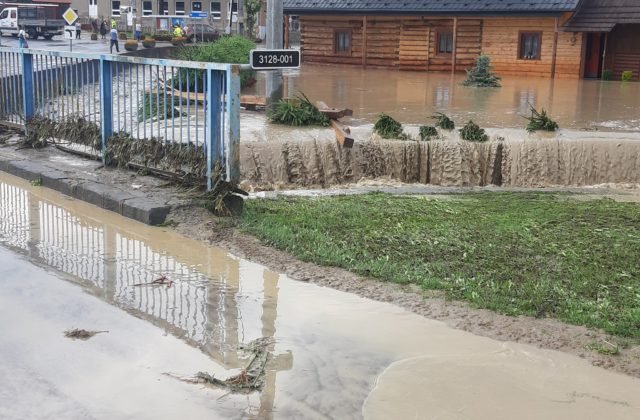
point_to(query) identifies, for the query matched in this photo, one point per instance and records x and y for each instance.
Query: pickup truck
(38, 21)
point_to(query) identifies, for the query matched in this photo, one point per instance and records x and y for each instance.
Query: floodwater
(411, 97)
(65, 264)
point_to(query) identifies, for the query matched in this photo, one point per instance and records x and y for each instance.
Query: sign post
(70, 16)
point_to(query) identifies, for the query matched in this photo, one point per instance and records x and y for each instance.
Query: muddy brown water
(65, 264)
(411, 97)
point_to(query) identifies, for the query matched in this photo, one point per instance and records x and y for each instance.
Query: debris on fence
(160, 281)
(250, 379)
(78, 334)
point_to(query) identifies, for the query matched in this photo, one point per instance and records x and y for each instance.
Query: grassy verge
(533, 254)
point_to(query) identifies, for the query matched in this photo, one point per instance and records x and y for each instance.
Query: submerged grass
(541, 255)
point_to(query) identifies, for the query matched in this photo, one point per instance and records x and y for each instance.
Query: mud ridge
(529, 163)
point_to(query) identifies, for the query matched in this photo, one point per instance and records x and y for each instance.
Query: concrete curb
(128, 204)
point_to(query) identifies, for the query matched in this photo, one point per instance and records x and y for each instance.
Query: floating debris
(160, 281)
(250, 379)
(78, 334)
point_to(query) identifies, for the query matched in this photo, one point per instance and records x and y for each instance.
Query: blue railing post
(28, 107)
(232, 138)
(106, 103)
(214, 96)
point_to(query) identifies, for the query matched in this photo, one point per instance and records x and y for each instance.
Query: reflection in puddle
(329, 347)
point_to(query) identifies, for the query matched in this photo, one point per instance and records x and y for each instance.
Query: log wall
(410, 43)
(623, 51)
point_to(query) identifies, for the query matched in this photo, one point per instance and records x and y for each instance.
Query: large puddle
(65, 264)
(411, 97)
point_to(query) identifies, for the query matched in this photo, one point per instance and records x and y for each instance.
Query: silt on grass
(541, 255)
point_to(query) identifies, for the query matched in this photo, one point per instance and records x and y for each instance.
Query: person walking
(78, 29)
(138, 33)
(114, 41)
(103, 29)
(22, 38)
(114, 24)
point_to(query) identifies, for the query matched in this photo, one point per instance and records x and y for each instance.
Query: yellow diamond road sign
(70, 16)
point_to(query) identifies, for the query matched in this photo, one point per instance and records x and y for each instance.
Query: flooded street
(65, 264)
(411, 97)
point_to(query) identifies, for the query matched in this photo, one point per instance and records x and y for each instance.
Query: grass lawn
(543, 255)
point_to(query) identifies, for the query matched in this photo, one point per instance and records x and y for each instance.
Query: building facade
(548, 38)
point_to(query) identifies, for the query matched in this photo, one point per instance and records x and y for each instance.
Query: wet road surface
(65, 264)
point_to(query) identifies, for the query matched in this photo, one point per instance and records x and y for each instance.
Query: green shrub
(607, 75)
(627, 75)
(443, 122)
(387, 127)
(155, 106)
(427, 132)
(472, 132)
(297, 112)
(231, 49)
(164, 37)
(481, 75)
(540, 121)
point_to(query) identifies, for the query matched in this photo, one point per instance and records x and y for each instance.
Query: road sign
(70, 16)
(275, 59)
(198, 15)
(69, 32)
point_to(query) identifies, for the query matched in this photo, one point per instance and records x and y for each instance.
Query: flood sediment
(539, 163)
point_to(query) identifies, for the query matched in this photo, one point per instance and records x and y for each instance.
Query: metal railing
(190, 104)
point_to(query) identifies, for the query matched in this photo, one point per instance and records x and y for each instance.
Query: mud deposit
(543, 162)
(67, 263)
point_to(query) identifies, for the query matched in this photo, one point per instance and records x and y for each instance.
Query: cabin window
(445, 42)
(4, 14)
(115, 8)
(13, 14)
(215, 9)
(530, 43)
(342, 43)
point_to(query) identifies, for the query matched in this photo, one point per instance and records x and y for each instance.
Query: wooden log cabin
(546, 38)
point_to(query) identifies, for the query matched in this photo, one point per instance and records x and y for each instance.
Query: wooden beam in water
(333, 113)
(343, 134)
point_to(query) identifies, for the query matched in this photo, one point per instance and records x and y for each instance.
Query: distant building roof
(603, 15)
(477, 7)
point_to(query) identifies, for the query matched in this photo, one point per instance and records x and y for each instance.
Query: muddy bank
(539, 163)
(543, 333)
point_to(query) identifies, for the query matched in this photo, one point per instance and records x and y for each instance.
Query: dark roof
(603, 15)
(478, 7)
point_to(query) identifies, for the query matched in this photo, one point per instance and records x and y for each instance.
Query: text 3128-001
(272, 59)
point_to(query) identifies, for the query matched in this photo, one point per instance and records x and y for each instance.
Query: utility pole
(274, 41)
(240, 24)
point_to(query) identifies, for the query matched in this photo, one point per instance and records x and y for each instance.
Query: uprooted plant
(427, 132)
(159, 105)
(388, 128)
(472, 132)
(73, 128)
(443, 121)
(540, 121)
(297, 112)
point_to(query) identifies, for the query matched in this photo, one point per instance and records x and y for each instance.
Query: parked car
(201, 33)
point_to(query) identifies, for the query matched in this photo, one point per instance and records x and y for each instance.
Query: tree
(481, 75)
(252, 8)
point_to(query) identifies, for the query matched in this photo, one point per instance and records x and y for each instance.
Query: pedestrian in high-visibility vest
(178, 32)
(114, 24)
